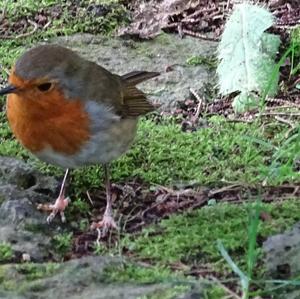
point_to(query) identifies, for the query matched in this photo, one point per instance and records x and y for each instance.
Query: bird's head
(42, 72)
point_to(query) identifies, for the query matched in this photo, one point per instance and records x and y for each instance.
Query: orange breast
(49, 120)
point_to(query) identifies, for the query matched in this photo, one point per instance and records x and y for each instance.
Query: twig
(35, 27)
(199, 35)
(98, 236)
(196, 14)
(89, 198)
(194, 93)
(237, 120)
(285, 102)
(285, 121)
(226, 289)
(223, 189)
(47, 25)
(278, 113)
(292, 105)
(287, 27)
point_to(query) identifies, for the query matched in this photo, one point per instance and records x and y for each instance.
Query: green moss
(168, 293)
(210, 61)
(214, 292)
(163, 154)
(31, 271)
(138, 274)
(37, 228)
(20, 278)
(191, 237)
(6, 252)
(62, 243)
(72, 16)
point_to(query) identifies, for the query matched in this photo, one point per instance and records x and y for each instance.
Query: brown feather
(135, 102)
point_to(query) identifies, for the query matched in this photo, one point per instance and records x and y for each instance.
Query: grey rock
(282, 259)
(18, 173)
(21, 224)
(76, 279)
(165, 52)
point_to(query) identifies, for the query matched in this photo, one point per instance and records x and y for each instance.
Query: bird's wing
(135, 102)
(119, 93)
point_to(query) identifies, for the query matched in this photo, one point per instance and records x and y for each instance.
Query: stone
(76, 279)
(21, 224)
(282, 259)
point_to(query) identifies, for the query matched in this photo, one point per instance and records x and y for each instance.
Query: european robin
(71, 112)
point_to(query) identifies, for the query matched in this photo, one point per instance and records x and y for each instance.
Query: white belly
(111, 137)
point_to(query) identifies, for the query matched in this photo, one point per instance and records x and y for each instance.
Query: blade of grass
(243, 278)
(252, 234)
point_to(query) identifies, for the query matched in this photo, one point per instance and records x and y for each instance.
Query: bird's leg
(108, 221)
(60, 204)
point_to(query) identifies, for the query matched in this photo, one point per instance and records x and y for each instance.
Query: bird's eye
(44, 86)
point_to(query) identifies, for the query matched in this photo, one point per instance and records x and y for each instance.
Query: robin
(71, 112)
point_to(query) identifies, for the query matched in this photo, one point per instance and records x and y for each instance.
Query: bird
(72, 112)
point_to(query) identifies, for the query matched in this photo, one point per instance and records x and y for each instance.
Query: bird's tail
(137, 77)
(135, 100)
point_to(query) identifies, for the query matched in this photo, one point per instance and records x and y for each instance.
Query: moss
(62, 243)
(70, 16)
(210, 61)
(191, 237)
(168, 293)
(138, 274)
(6, 252)
(214, 292)
(37, 228)
(163, 154)
(18, 279)
(31, 271)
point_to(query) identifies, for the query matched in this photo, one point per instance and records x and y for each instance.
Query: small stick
(89, 198)
(224, 189)
(199, 35)
(226, 289)
(47, 25)
(278, 113)
(292, 105)
(285, 121)
(35, 27)
(194, 93)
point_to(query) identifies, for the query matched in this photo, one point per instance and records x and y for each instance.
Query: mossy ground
(220, 152)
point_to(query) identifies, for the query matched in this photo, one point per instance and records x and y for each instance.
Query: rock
(21, 224)
(282, 258)
(81, 278)
(167, 54)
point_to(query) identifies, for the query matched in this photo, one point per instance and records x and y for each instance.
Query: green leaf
(246, 54)
(244, 102)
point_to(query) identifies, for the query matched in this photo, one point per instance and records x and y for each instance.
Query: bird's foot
(104, 225)
(57, 208)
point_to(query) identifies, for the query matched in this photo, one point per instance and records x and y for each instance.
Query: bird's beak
(8, 89)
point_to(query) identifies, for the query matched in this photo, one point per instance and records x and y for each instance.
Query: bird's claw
(57, 208)
(53, 214)
(104, 225)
